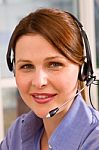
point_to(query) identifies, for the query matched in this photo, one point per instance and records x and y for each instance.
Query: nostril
(39, 83)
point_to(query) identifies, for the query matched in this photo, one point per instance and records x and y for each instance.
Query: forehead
(36, 48)
(35, 44)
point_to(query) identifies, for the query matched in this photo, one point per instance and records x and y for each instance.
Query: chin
(41, 115)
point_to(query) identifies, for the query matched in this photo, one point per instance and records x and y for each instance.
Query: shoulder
(90, 139)
(88, 119)
(16, 125)
(22, 129)
(13, 134)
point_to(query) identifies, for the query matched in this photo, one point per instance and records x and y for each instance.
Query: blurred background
(11, 11)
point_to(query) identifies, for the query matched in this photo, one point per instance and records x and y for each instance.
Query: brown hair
(57, 27)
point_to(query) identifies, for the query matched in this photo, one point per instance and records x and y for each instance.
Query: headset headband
(86, 43)
(88, 71)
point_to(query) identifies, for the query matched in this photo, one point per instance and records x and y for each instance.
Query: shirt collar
(30, 125)
(70, 131)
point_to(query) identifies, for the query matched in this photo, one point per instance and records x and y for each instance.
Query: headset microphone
(86, 69)
(56, 110)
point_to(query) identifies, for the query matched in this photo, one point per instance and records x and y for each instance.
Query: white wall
(88, 20)
(15, 13)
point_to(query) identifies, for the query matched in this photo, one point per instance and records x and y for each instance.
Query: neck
(44, 142)
(50, 124)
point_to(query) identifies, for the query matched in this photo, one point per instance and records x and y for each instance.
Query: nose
(39, 79)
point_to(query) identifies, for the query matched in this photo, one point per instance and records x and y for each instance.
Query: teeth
(41, 96)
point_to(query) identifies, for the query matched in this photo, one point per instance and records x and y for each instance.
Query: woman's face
(45, 78)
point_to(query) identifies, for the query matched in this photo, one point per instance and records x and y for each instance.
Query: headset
(86, 69)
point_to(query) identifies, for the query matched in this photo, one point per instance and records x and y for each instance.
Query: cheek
(66, 80)
(22, 83)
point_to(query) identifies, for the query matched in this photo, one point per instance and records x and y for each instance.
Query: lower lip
(43, 101)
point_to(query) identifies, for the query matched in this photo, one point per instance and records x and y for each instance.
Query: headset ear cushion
(13, 68)
(83, 73)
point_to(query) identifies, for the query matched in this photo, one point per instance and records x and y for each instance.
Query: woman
(48, 54)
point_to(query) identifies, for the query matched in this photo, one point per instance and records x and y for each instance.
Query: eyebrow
(55, 57)
(23, 60)
(47, 59)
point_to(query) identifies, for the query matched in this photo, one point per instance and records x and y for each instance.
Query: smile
(43, 97)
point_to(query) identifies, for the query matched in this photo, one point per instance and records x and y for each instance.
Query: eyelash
(50, 65)
(55, 64)
(27, 66)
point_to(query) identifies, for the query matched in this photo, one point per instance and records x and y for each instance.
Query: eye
(56, 65)
(27, 67)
